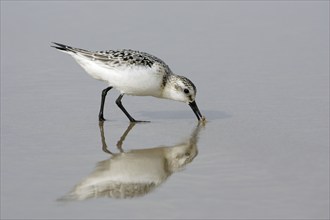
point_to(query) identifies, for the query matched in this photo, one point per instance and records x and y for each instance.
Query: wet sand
(262, 74)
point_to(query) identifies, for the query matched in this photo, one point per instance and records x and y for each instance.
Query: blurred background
(262, 73)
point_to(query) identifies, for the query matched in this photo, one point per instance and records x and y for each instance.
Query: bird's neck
(170, 88)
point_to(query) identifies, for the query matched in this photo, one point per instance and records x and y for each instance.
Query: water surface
(262, 74)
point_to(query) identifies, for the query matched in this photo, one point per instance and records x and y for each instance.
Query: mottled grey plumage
(116, 58)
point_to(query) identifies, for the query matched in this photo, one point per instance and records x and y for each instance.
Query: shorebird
(133, 73)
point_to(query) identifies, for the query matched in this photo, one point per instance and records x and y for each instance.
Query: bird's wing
(116, 58)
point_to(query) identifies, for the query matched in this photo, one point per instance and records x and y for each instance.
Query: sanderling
(134, 73)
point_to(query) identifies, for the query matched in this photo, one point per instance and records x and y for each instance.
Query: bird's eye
(186, 91)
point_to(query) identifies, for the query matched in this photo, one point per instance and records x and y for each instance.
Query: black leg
(118, 102)
(104, 94)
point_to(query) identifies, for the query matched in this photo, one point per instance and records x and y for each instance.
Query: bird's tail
(68, 49)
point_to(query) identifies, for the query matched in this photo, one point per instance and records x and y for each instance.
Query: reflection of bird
(136, 172)
(134, 73)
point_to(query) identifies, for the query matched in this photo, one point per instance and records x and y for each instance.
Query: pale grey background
(262, 72)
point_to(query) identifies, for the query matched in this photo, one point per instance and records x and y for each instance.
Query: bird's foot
(101, 118)
(138, 121)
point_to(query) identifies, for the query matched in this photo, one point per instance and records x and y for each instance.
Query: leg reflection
(104, 144)
(121, 140)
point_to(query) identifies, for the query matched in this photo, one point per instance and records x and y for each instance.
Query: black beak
(194, 107)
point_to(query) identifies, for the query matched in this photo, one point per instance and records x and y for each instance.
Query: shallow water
(262, 73)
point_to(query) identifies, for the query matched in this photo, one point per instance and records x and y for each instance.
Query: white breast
(131, 80)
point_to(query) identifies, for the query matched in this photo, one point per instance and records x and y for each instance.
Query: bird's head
(181, 89)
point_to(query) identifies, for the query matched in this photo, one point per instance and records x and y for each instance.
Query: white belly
(135, 80)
